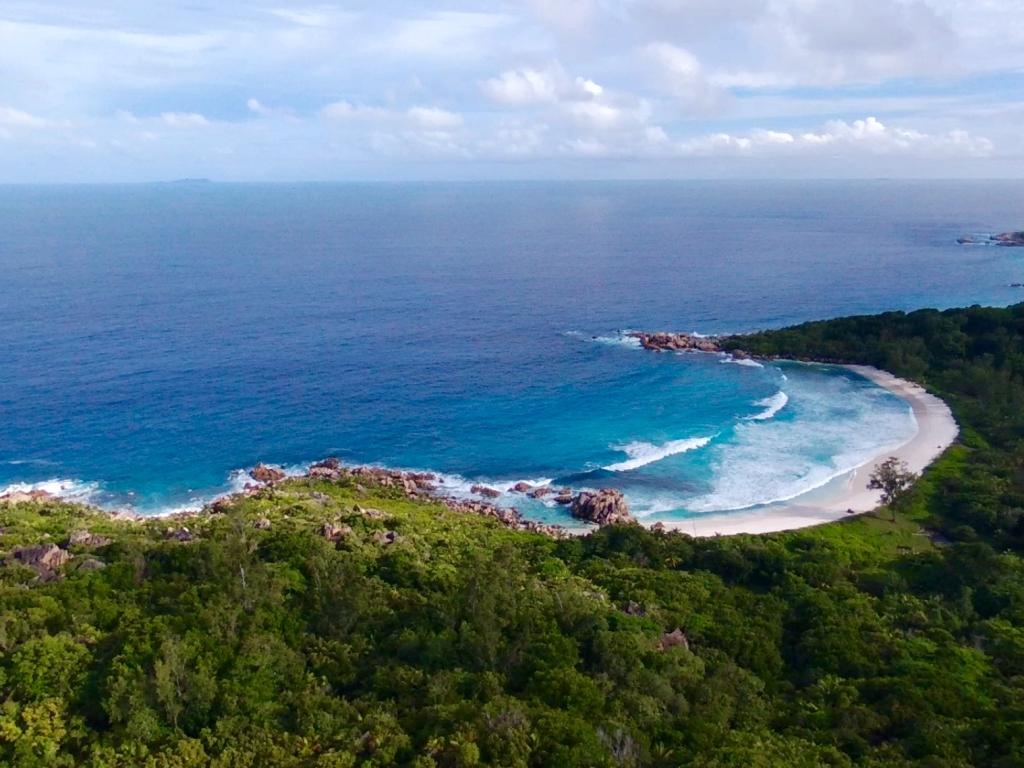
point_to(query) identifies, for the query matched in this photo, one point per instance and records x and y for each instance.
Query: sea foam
(744, 361)
(772, 405)
(839, 427)
(71, 490)
(641, 454)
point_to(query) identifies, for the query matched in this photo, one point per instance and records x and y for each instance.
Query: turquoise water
(157, 340)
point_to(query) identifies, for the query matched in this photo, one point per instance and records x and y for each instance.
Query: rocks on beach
(604, 507)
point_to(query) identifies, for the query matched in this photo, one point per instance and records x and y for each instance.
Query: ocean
(157, 340)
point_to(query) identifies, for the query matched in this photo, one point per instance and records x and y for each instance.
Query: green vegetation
(255, 640)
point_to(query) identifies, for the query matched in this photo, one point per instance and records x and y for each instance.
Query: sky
(106, 91)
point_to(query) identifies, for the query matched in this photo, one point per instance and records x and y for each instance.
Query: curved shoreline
(936, 431)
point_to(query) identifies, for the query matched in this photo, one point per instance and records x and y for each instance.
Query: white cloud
(184, 119)
(527, 86)
(681, 73)
(868, 136)
(308, 17)
(435, 118)
(16, 118)
(445, 34)
(257, 107)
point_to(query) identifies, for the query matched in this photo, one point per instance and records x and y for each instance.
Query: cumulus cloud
(868, 136)
(433, 118)
(527, 86)
(642, 80)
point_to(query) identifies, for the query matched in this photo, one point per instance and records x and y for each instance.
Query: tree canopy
(423, 637)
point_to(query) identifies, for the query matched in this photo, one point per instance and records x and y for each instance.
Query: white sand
(936, 430)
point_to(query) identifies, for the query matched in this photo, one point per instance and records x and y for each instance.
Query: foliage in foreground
(462, 643)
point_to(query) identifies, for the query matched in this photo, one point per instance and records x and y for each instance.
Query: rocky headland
(677, 342)
(602, 507)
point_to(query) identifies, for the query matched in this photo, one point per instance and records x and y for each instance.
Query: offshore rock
(262, 473)
(330, 462)
(485, 491)
(540, 493)
(521, 487)
(564, 496)
(604, 507)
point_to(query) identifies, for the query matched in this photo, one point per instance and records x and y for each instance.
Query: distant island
(1011, 239)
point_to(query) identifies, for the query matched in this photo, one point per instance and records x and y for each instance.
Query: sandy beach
(936, 430)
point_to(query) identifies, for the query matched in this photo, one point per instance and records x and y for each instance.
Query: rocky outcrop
(385, 538)
(263, 473)
(183, 535)
(541, 492)
(485, 491)
(674, 639)
(415, 484)
(677, 342)
(15, 497)
(45, 559)
(521, 487)
(507, 516)
(87, 540)
(370, 513)
(331, 462)
(1011, 239)
(604, 507)
(335, 531)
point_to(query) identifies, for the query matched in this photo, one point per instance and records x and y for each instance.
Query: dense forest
(342, 624)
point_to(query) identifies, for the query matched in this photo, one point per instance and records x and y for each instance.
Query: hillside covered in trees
(334, 623)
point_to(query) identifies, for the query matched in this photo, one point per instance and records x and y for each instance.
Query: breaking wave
(772, 405)
(641, 454)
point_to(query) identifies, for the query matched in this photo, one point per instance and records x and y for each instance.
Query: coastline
(835, 500)
(936, 431)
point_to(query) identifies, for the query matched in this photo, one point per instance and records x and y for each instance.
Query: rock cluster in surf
(676, 342)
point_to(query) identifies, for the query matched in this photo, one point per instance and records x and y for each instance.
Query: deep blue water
(156, 338)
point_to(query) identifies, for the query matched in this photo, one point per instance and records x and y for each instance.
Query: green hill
(335, 623)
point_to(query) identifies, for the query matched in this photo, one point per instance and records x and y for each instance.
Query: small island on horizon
(1008, 239)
